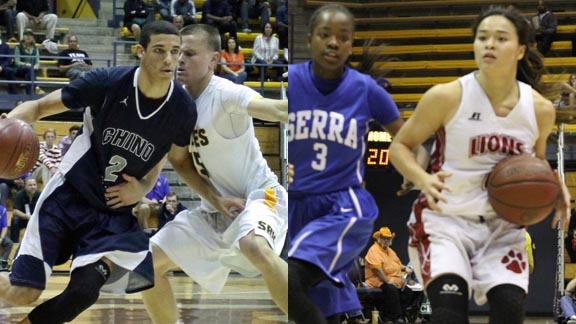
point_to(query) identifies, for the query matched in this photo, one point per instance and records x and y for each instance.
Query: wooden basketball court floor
(243, 301)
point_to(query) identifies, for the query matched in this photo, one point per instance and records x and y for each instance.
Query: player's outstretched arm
(183, 164)
(31, 111)
(273, 110)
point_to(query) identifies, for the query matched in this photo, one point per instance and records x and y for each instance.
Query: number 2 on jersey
(321, 152)
(117, 164)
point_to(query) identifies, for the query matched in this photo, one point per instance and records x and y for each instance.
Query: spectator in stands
(282, 26)
(545, 28)
(7, 71)
(150, 204)
(567, 302)
(235, 8)
(135, 16)
(7, 185)
(169, 209)
(24, 204)
(568, 92)
(178, 21)
(385, 270)
(232, 60)
(164, 8)
(255, 9)
(77, 63)
(67, 140)
(7, 17)
(27, 61)
(266, 49)
(49, 158)
(5, 242)
(186, 9)
(218, 14)
(34, 14)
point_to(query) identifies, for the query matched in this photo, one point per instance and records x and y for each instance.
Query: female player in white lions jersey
(457, 243)
(208, 242)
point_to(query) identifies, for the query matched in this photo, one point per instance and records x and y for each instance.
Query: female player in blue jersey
(133, 118)
(330, 216)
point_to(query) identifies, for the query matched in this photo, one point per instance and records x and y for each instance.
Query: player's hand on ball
(125, 194)
(432, 185)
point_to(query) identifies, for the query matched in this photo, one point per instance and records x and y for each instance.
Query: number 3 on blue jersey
(322, 150)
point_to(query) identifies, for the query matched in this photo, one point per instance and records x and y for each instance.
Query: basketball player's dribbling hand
(432, 186)
(562, 208)
(125, 194)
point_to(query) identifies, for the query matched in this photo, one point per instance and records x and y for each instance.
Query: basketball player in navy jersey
(330, 216)
(85, 209)
(458, 244)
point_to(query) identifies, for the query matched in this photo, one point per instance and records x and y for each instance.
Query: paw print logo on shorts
(514, 262)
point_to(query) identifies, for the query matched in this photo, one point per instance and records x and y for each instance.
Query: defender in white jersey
(231, 172)
(457, 243)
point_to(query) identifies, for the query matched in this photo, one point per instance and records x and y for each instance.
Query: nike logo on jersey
(475, 116)
(345, 210)
(323, 125)
(125, 101)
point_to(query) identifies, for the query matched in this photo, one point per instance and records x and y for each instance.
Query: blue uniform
(123, 132)
(330, 216)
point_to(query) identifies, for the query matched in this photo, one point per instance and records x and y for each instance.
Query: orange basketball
(19, 148)
(523, 189)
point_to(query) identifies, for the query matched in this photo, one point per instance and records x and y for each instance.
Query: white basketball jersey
(224, 146)
(474, 140)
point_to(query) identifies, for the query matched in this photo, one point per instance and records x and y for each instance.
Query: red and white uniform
(468, 238)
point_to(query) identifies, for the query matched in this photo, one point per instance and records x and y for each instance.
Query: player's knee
(22, 296)
(162, 263)
(448, 296)
(256, 249)
(506, 304)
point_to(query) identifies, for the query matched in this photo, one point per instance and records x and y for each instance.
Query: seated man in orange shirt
(385, 270)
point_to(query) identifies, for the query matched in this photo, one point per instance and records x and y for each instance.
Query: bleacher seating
(441, 48)
(387, 4)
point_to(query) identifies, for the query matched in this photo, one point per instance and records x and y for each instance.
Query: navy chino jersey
(123, 133)
(118, 137)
